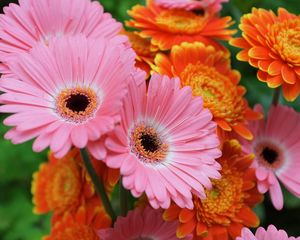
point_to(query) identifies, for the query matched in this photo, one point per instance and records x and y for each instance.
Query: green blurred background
(18, 163)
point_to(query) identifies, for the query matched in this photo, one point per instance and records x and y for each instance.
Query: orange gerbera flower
(227, 208)
(145, 51)
(168, 27)
(63, 184)
(208, 72)
(83, 225)
(272, 44)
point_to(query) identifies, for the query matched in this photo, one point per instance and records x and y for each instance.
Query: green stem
(276, 96)
(123, 199)
(99, 186)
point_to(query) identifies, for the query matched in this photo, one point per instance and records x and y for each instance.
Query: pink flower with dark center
(165, 145)
(261, 234)
(276, 145)
(67, 93)
(23, 26)
(142, 224)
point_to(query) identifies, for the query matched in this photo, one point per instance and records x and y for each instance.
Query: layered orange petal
(227, 207)
(82, 224)
(63, 184)
(169, 27)
(272, 44)
(145, 52)
(57, 184)
(208, 72)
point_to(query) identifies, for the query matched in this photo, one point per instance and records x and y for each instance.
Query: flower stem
(276, 96)
(98, 184)
(123, 199)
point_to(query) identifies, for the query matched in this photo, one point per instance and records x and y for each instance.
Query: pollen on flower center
(220, 95)
(146, 143)
(77, 104)
(180, 21)
(285, 38)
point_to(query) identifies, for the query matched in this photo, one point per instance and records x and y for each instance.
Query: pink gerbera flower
(67, 93)
(165, 145)
(276, 145)
(32, 21)
(142, 224)
(210, 5)
(261, 234)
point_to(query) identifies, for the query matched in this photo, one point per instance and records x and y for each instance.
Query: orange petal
(219, 233)
(171, 213)
(239, 42)
(253, 115)
(186, 215)
(243, 56)
(275, 68)
(235, 229)
(81, 215)
(264, 64)
(247, 185)
(223, 124)
(291, 91)
(245, 163)
(274, 82)
(248, 217)
(201, 229)
(259, 53)
(243, 131)
(262, 76)
(185, 228)
(288, 74)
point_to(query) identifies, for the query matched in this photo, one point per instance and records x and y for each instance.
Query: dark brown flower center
(269, 155)
(147, 145)
(150, 142)
(77, 102)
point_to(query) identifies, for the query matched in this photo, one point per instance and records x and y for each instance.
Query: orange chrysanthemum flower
(169, 27)
(63, 184)
(272, 44)
(82, 225)
(145, 51)
(227, 208)
(208, 72)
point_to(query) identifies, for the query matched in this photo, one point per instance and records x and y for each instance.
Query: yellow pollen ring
(285, 39)
(224, 199)
(77, 104)
(219, 93)
(180, 21)
(156, 151)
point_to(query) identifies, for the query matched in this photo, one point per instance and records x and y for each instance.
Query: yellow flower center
(180, 21)
(219, 94)
(147, 145)
(77, 104)
(77, 232)
(64, 186)
(223, 201)
(285, 39)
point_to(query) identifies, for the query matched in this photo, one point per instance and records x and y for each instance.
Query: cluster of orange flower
(64, 188)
